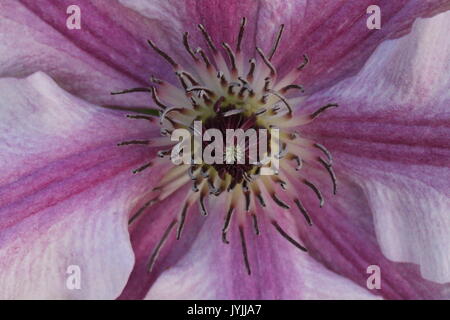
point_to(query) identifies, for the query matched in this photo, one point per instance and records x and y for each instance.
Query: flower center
(236, 93)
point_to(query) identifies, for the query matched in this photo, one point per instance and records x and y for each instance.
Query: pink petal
(109, 52)
(391, 134)
(334, 34)
(66, 192)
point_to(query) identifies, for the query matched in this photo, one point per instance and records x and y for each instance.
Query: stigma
(226, 90)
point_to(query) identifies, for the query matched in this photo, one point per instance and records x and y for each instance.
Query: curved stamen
(316, 113)
(126, 143)
(142, 168)
(266, 62)
(163, 54)
(244, 250)
(316, 191)
(241, 34)
(188, 47)
(292, 86)
(304, 63)
(207, 38)
(158, 247)
(303, 211)
(227, 225)
(182, 219)
(330, 171)
(230, 55)
(277, 42)
(288, 237)
(325, 151)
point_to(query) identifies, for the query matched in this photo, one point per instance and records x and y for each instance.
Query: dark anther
(207, 38)
(325, 151)
(316, 190)
(202, 204)
(188, 47)
(156, 99)
(280, 202)
(230, 55)
(266, 62)
(277, 42)
(251, 70)
(330, 171)
(163, 54)
(255, 224)
(204, 57)
(241, 34)
(218, 104)
(244, 250)
(303, 211)
(131, 90)
(288, 237)
(322, 109)
(158, 247)
(142, 168)
(282, 99)
(304, 63)
(227, 225)
(141, 210)
(292, 86)
(126, 143)
(140, 117)
(182, 220)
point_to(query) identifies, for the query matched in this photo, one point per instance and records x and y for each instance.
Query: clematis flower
(366, 182)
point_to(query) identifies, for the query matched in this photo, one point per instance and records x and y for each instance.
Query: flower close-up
(119, 179)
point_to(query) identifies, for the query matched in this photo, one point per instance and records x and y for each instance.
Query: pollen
(225, 89)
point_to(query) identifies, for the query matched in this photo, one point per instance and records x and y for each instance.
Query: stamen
(255, 224)
(303, 211)
(244, 250)
(126, 143)
(231, 56)
(227, 225)
(282, 99)
(207, 38)
(267, 62)
(277, 42)
(204, 57)
(188, 47)
(166, 112)
(140, 169)
(182, 219)
(141, 210)
(158, 247)
(156, 99)
(330, 171)
(261, 199)
(316, 190)
(251, 71)
(280, 202)
(131, 90)
(292, 86)
(190, 77)
(140, 117)
(305, 62)
(247, 200)
(202, 204)
(287, 237)
(325, 151)
(322, 109)
(241, 34)
(163, 54)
